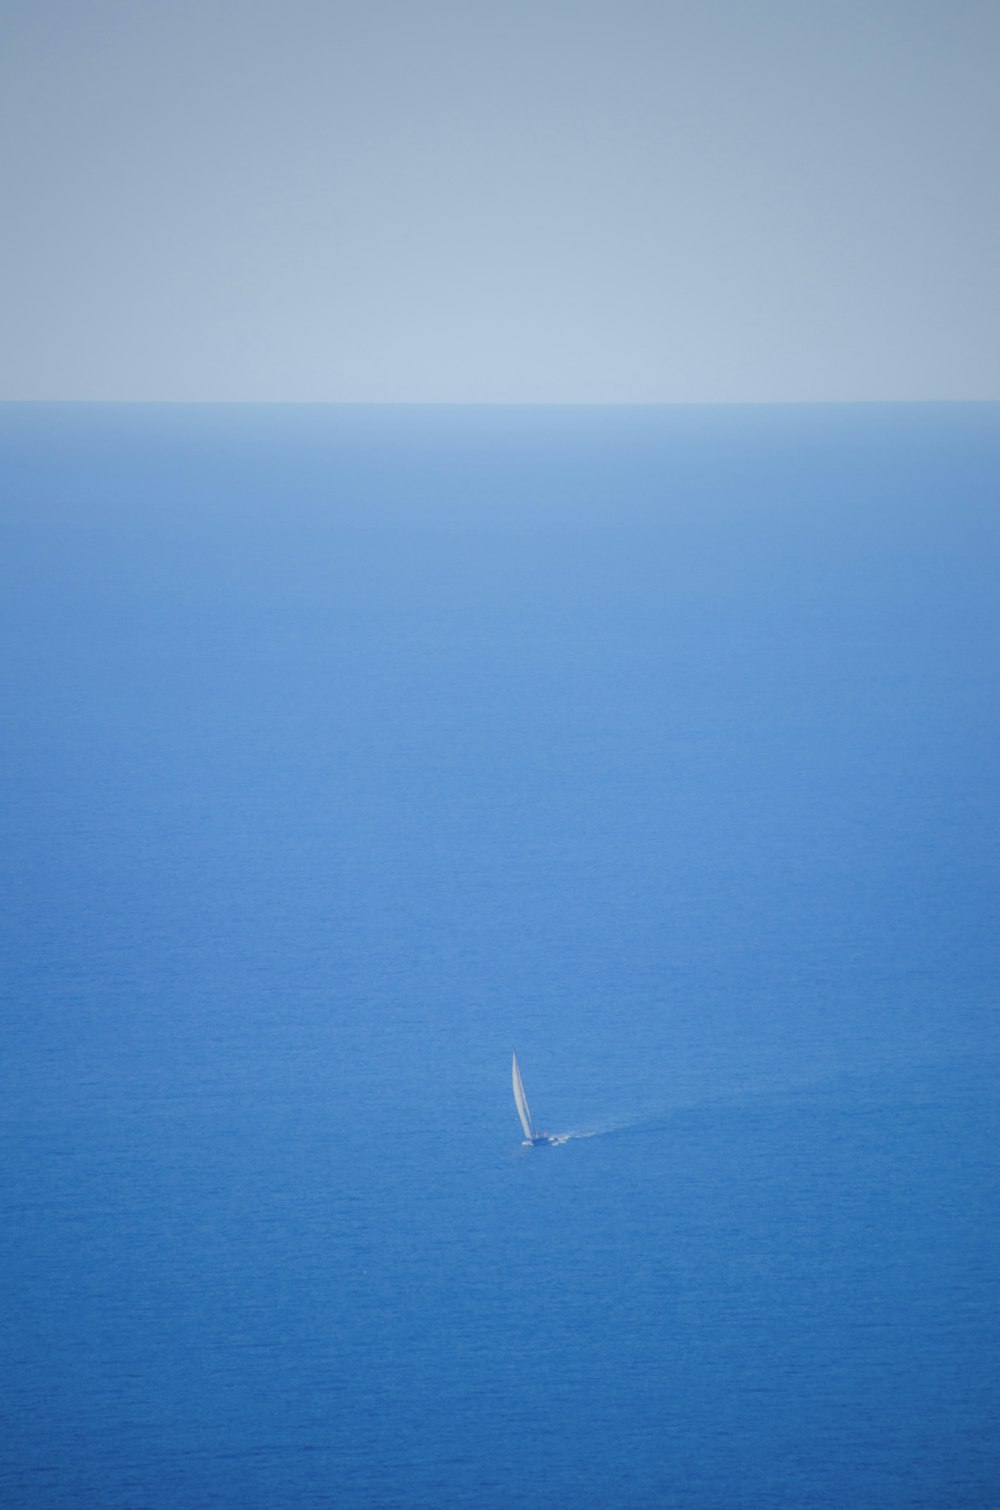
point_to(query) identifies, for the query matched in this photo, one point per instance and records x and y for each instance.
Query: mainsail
(521, 1102)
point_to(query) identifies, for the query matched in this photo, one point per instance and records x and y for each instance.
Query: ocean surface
(347, 749)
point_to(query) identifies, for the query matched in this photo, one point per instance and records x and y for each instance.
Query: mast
(521, 1102)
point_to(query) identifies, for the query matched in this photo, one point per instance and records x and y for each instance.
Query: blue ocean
(347, 750)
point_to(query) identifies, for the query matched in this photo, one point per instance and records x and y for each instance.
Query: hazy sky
(534, 200)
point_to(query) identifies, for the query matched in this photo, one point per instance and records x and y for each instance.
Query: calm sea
(345, 750)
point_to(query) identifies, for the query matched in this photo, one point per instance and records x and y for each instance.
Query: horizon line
(321, 403)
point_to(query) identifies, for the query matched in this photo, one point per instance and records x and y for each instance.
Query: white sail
(521, 1101)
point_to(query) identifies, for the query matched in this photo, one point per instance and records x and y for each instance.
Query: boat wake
(556, 1140)
(600, 1131)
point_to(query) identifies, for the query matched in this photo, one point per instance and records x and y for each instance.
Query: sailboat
(531, 1134)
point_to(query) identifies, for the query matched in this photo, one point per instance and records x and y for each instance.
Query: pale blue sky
(544, 200)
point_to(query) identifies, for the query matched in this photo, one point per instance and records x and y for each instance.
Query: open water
(347, 749)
